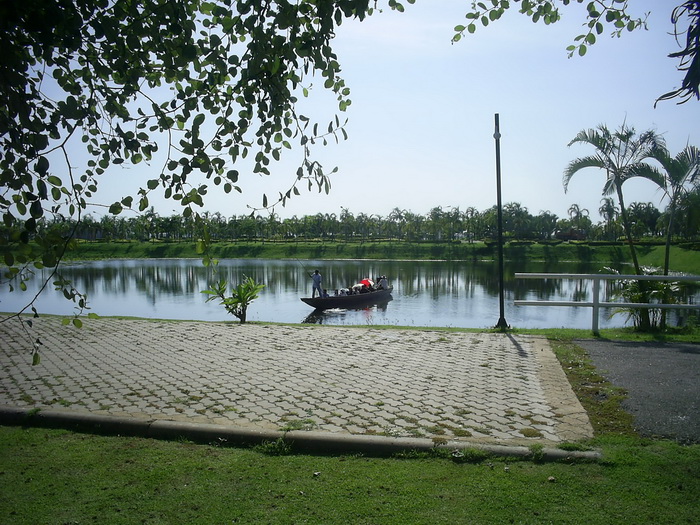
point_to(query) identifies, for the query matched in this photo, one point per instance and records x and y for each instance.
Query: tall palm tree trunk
(667, 258)
(628, 230)
(644, 318)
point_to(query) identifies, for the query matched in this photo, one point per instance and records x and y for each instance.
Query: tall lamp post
(502, 324)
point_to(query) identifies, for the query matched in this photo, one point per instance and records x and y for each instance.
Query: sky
(421, 122)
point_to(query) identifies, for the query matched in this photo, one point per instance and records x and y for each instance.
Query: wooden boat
(349, 301)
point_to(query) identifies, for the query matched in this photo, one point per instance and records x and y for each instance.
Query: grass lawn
(55, 476)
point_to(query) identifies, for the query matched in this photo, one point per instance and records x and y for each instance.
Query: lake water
(426, 293)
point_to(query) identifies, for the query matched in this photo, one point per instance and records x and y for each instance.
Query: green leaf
(36, 210)
(42, 165)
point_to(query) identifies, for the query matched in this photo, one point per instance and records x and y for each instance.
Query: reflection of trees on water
(436, 279)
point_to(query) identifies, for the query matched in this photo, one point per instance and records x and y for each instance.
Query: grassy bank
(682, 260)
(55, 476)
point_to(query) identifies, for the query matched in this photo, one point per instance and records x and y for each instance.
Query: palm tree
(675, 175)
(544, 224)
(688, 214)
(398, 218)
(608, 211)
(576, 213)
(517, 220)
(643, 217)
(470, 215)
(620, 154)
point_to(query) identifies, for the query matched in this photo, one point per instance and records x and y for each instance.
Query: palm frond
(576, 165)
(646, 171)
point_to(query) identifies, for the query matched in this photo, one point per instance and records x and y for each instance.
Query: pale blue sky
(421, 122)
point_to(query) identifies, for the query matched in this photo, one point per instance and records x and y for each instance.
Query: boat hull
(349, 301)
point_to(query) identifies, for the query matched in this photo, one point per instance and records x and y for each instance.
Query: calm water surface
(426, 293)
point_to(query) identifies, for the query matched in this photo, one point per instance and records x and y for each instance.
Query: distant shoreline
(682, 260)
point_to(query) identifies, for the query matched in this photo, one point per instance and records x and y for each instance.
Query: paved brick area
(477, 387)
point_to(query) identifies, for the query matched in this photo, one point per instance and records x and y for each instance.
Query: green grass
(681, 259)
(56, 476)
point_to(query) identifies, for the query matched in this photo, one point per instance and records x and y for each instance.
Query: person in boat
(316, 287)
(383, 283)
(369, 284)
(325, 293)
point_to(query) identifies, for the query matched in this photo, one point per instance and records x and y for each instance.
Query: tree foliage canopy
(211, 82)
(688, 56)
(601, 15)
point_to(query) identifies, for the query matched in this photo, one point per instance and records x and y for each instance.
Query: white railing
(596, 303)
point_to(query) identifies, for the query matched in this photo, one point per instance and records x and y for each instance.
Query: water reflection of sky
(426, 293)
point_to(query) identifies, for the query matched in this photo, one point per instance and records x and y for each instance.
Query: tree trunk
(667, 256)
(644, 319)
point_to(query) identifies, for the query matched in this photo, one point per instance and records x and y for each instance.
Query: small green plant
(299, 424)
(537, 452)
(241, 296)
(279, 447)
(573, 447)
(470, 455)
(633, 291)
(530, 432)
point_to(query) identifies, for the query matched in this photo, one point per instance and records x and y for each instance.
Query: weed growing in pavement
(436, 429)
(461, 432)
(299, 424)
(27, 399)
(530, 432)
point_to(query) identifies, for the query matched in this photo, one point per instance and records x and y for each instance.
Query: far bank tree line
(438, 225)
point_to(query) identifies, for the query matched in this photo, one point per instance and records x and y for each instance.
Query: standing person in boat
(316, 278)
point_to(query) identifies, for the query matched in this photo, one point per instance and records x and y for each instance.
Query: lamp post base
(502, 325)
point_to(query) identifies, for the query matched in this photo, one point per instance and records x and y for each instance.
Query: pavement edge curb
(300, 441)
